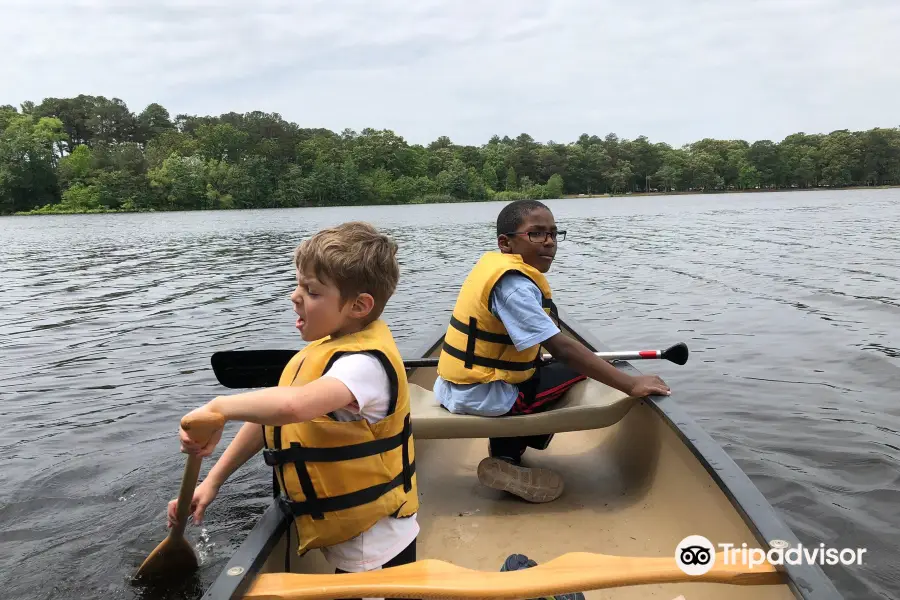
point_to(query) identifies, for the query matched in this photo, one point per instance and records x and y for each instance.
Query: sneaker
(531, 484)
(515, 562)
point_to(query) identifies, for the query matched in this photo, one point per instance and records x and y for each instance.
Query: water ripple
(788, 302)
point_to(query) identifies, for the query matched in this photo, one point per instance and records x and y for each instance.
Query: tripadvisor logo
(696, 555)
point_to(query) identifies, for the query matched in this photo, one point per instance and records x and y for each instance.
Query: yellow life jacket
(340, 478)
(477, 348)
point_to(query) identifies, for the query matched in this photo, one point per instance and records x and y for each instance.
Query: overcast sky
(673, 70)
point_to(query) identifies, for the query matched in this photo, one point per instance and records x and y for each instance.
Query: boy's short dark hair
(356, 258)
(514, 213)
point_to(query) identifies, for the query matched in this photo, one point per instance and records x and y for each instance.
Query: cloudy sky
(673, 70)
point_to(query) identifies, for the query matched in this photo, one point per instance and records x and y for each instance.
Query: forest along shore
(92, 154)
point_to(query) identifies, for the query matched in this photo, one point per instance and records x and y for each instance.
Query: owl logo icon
(695, 555)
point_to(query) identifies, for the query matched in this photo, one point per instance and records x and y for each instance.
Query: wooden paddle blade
(173, 557)
(250, 368)
(569, 573)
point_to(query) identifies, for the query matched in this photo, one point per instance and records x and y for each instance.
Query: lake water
(790, 303)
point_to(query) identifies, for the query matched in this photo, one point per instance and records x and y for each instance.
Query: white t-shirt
(367, 380)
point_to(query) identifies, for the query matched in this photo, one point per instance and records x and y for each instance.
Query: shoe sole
(532, 484)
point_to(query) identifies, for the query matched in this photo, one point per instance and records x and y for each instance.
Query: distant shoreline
(91, 154)
(455, 201)
(748, 191)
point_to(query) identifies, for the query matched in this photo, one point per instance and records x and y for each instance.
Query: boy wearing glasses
(498, 326)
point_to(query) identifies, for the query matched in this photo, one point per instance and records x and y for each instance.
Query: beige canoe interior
(631, 488)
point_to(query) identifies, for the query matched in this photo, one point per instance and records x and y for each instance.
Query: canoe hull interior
(631, 489)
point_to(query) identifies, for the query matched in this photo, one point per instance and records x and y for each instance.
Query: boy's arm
(272, 406)
(246, 444)
(517, 302)
(576, 355)
(284, 404)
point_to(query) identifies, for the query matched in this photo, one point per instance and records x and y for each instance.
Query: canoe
(640, 476)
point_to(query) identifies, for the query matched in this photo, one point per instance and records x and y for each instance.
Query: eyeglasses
(539, 237)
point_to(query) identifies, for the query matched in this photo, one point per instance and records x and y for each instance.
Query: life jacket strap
(300, 454)
(407, 473)
(490, 363)
(347, 501)
(487, 336)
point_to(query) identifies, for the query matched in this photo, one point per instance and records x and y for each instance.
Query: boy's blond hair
(356, 258)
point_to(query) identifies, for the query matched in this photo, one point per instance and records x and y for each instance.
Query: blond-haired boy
(337, 427)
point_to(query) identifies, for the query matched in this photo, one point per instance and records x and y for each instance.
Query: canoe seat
(588, 405)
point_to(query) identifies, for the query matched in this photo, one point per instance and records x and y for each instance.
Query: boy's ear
(503, 243)
(362, 306)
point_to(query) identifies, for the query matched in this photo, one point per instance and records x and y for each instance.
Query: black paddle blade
(250, 368)
(678, 353)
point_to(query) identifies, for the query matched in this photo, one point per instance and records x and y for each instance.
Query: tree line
(92, 154)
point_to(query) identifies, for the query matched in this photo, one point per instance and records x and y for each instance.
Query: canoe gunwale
(805, 581)
(250, 556)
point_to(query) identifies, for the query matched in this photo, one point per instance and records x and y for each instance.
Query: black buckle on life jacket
(269, 456)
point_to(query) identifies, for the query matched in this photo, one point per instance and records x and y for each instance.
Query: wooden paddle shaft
(186, 494)
(201, 426)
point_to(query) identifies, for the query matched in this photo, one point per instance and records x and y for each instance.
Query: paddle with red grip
(241, 369)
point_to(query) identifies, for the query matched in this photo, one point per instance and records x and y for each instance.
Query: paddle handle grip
(201, 426)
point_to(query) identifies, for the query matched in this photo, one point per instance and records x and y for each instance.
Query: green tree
(76, 167)
(703, 174)
(554, 187)
(489, 176)
(28, 162)
(511, 184)
(667, 177)
(290, 188)
(221, 142)
(748, 178)
(80, 198)
(619, 177)
(152, 123)
(179, 183)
